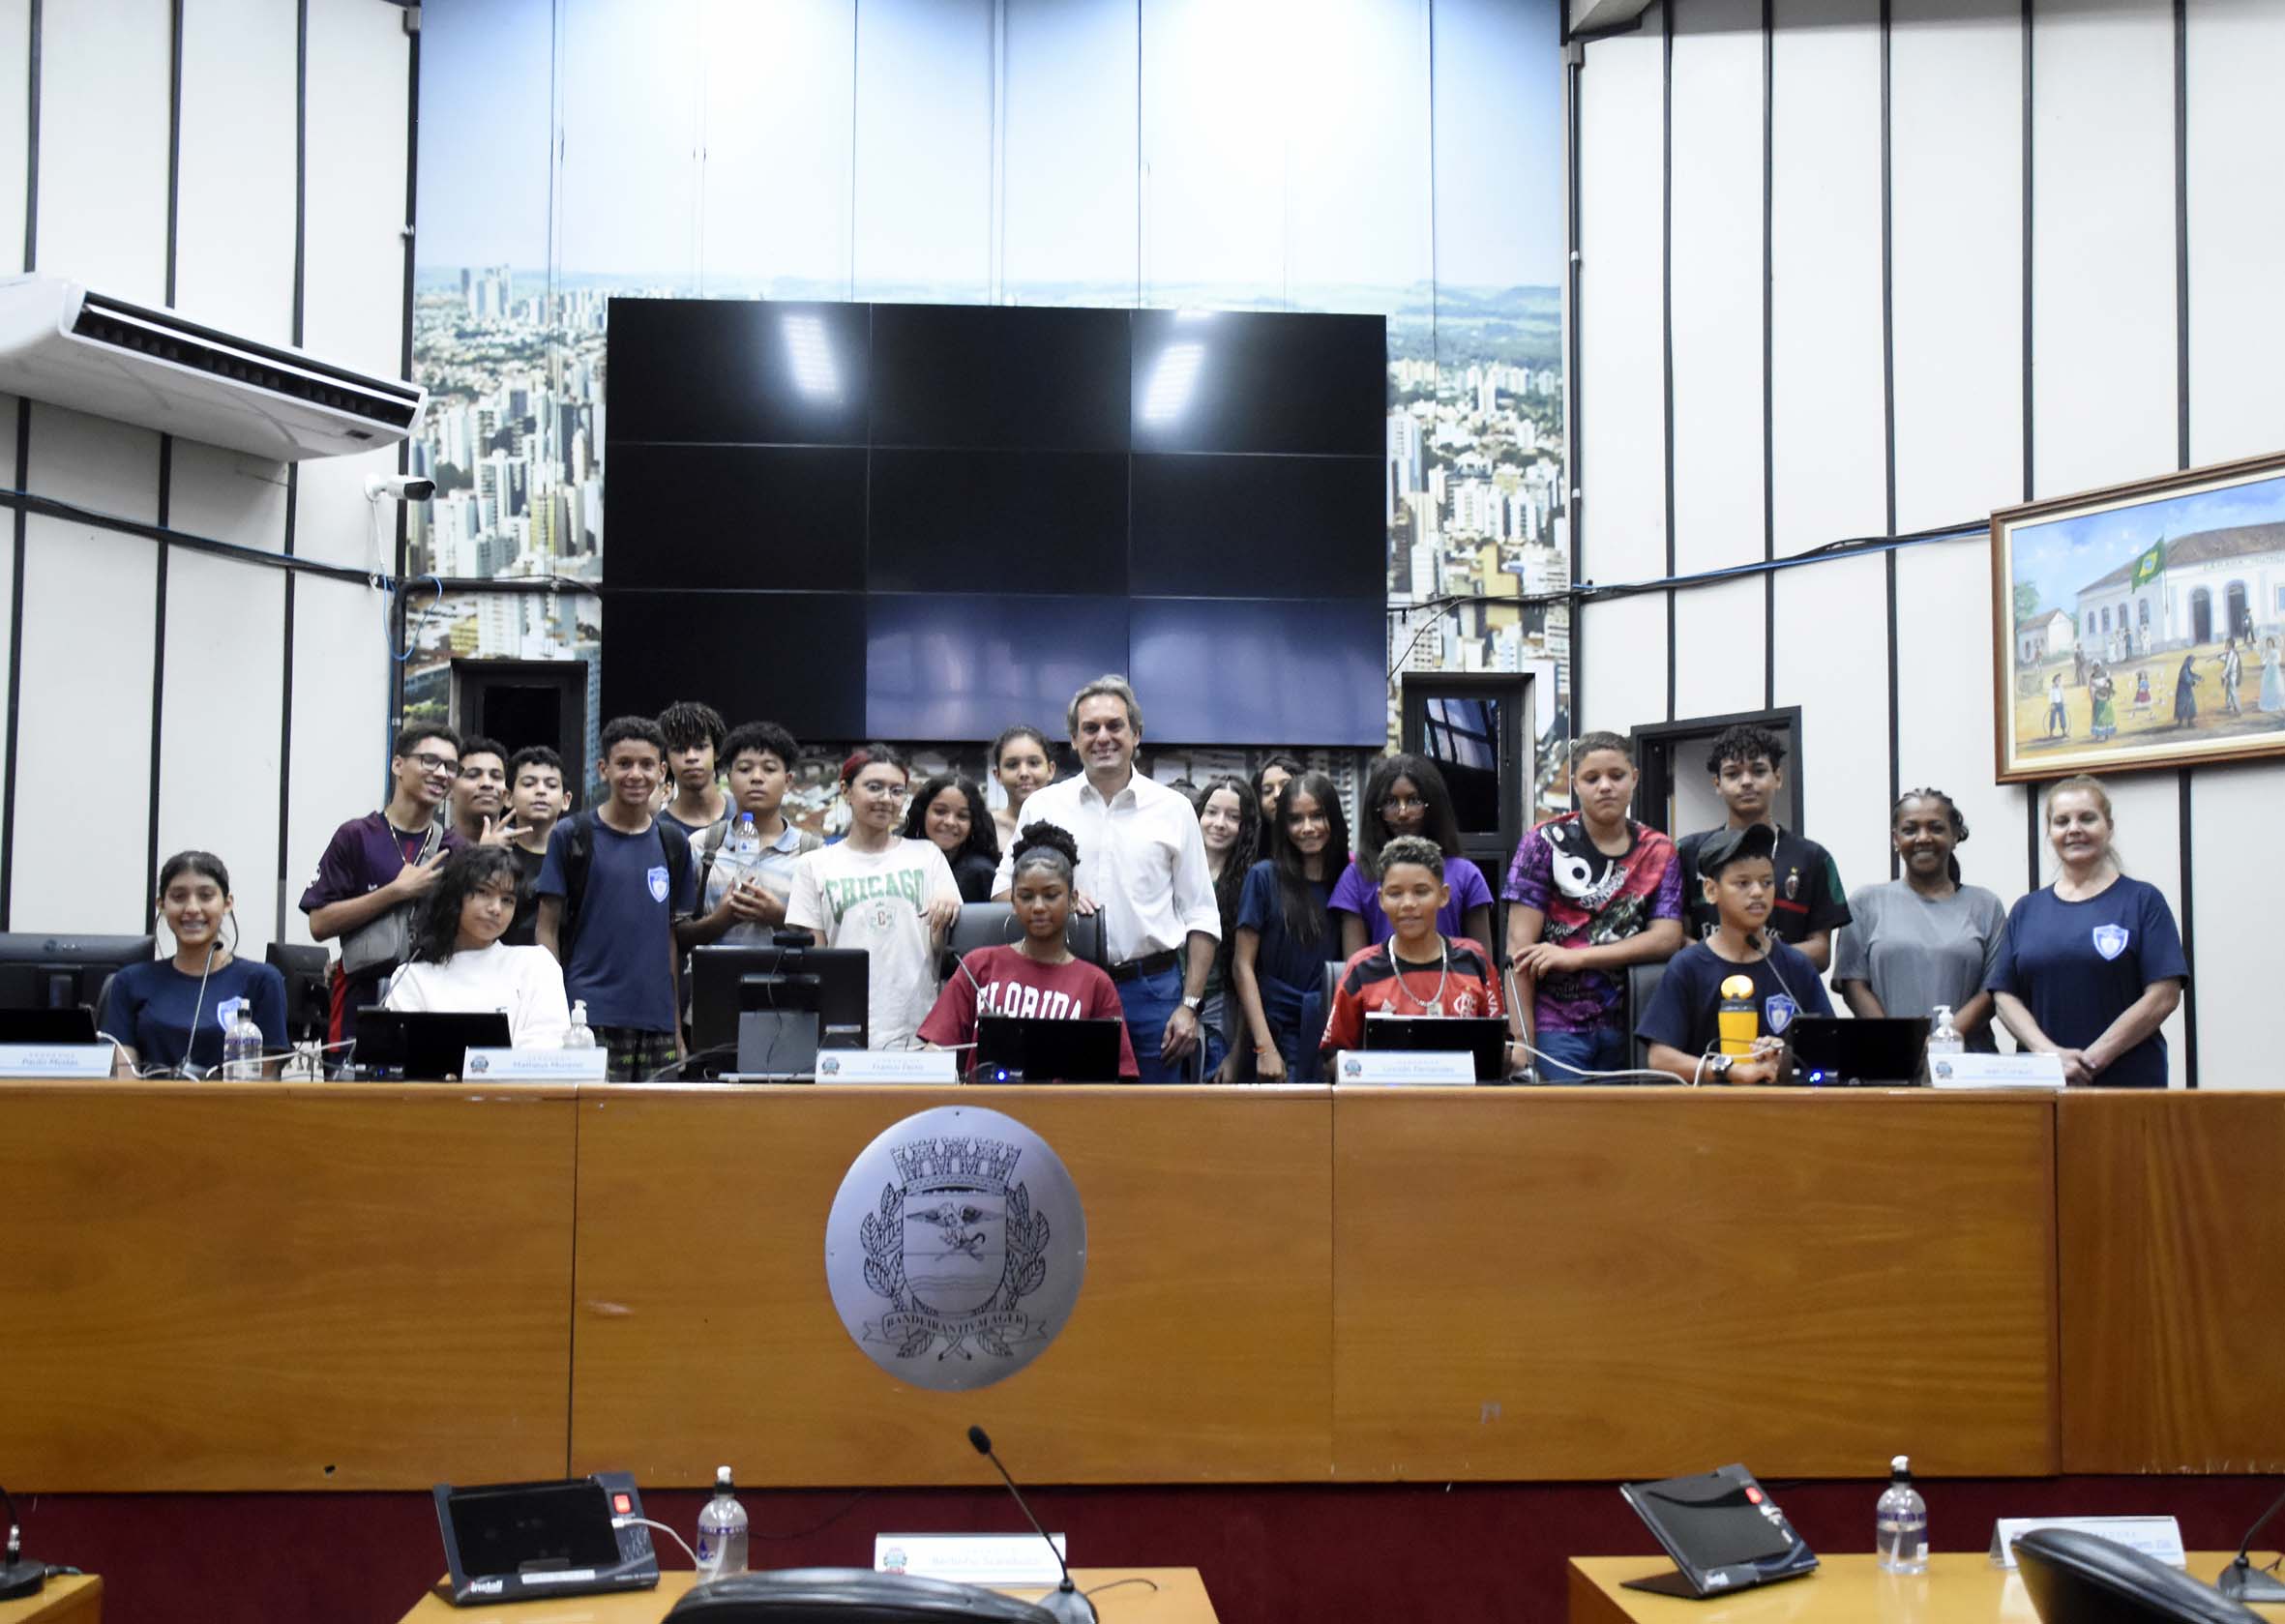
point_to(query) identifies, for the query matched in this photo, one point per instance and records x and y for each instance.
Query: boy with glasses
(380, 865)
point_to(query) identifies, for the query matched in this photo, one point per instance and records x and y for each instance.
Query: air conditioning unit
(69, 347)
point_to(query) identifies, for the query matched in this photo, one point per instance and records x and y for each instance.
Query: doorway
(523, 702)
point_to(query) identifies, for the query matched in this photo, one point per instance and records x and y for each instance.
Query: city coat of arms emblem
(956, 1248)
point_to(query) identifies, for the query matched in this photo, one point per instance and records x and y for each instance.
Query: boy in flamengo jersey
(1416, 971)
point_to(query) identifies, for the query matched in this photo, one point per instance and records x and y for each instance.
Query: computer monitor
(56, 972)
(1481, 1036)
(831, 982)
(1013, 1049)
(1886, 1051)
(424, 1046)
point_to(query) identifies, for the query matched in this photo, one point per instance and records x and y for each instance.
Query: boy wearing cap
(1806, 903)
(1683, 1027)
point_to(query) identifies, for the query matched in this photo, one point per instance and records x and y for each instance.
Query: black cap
(1725, 847)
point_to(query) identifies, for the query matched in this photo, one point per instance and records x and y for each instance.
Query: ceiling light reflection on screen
(1172, 383)
(814, 371)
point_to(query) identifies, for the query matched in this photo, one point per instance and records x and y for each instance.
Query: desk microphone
(2241, 1580)
(1065, 1603)
(19, 1577)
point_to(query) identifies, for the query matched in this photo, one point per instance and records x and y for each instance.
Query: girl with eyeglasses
(1405, 796)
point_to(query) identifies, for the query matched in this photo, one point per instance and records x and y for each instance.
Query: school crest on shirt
(2110, 940)
(658, 879)
(1779, 1011)
(956, 1248)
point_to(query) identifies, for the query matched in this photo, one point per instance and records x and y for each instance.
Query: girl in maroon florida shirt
(1039, 978)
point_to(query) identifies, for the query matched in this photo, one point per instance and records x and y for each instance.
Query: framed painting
(2141, 626)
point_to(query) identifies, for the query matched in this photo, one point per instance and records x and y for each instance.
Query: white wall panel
(104, 74)
(82, 792)
(1839, 677)
(1072, 157)
(1623, 378)
(2103, 277)
(1956, 168)
(1721, 637)
(341, 750)
(1624, 683)
(780, 79)
(227, 495)
(1944, 724)
(217, 732)
(1828, 442)
(353, 302)
(924, 150)
(2239, 905)
(331, 519)
(234, 236)
(110, 467)
(1717, 283)
(1359, 185)
(16, 45)
(2237, 173)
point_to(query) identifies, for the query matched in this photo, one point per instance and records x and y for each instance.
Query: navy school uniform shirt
(2078, 965)
(1809, 895)
(149, 1008)
(622, 955)
(1262, 907)
(1685, 1011)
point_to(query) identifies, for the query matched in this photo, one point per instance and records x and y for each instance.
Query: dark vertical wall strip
(174, 198)
(23, 469)
(413, 128)
(1769, 348)
(1574, 83)
(293, 481)
(2181, 452)
(1665, 309)
(2189, 924)
(1888, 396)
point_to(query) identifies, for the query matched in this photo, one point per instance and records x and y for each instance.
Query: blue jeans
(1602, 1048)
(1298, 1020)
(1149, 1001)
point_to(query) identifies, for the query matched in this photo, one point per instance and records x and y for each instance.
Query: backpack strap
(578, 856)
(677, 847)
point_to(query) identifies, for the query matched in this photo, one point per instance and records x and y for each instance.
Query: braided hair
(1951, 813)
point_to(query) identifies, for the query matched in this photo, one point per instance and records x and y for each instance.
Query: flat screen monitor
(1258, 527)
(743, 372)
(944, 666)
(1294, 671)
(830, 983)
(775, 519)
(60, 972)
(797, 658)
(1483, 1036)
(1037, 1050)
(1887, 1050)
(424, 1046)
(1260, 381)
(1007, 376)
(1020, 522)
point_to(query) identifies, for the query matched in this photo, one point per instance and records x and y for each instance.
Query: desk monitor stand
(1723, 1531)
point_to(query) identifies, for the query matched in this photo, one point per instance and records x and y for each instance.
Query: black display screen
(1011, 379)
(789, 519)
(1302, 671)
(1254, 381)
(738, 371)
(1020, 522)
(797, 658)
(1258, 527)
(941, 666)
(504, 1529)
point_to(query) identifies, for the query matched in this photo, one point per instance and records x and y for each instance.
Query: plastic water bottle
(745, 841)
(721, 1531)
(1900, 1522)
(1943, 1038)
(242, 1048)
(580, 1035)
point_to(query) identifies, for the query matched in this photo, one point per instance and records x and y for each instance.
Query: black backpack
(578, 856)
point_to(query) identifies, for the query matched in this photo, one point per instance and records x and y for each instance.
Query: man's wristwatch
(1195, 1002)
(1717, 1066)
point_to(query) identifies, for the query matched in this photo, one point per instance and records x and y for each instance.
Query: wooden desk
(70, 1600)
(1180, 1599)
(1959, 1588)
(1605, 1282)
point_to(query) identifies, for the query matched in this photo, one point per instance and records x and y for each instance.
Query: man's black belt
(1149, 964)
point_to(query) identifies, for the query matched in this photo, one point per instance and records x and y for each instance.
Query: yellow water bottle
(1738, 1022)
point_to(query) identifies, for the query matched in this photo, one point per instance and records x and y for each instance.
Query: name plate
(1409, 1068)
(890, 1065)
(56, 1060)
(1995, 1071)
(2154, 1536)
(536, 1065)
(987, 1559)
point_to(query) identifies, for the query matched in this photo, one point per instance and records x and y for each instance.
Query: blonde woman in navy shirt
(2093, 963)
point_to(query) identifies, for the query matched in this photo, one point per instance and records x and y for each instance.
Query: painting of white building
(2043, 637)
(2205, 588)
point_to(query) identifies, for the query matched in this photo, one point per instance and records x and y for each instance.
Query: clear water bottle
(721, 1531)
(1943, 1038)
(241, 1047)
(745, 841)
(1900, 1523)
(580, 1035)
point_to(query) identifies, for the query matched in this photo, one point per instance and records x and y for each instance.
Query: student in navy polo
(2093, 964)
(1808, 906)
(611, 888)
(170, 1014)
(1683, 1026)
(373, 863)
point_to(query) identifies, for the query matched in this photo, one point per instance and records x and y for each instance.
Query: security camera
(397, 488)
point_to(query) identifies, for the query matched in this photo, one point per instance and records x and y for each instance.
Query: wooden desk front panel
(1637, 1283)
(256, 1287)
(2172, 1216)
(1200, 1351)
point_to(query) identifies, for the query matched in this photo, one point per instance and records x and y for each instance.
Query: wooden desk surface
(70, 1600)
(1959, 1588)
(1180, 1598)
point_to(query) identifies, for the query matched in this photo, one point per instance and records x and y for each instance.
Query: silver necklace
(1435, 1006)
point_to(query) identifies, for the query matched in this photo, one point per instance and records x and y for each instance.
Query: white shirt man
(1142, 866)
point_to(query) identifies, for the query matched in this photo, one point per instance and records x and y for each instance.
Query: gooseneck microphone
(2241, 1580)
(1065, 1601)
(19, 1577)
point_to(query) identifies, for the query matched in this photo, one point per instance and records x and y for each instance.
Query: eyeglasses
(1404, 804)
(436, 763)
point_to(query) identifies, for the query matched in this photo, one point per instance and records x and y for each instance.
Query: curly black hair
(437, 927)
(1742, 742)
(983, 834)
(1044, 845)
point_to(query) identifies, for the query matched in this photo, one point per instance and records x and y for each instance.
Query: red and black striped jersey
(1460, 982)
